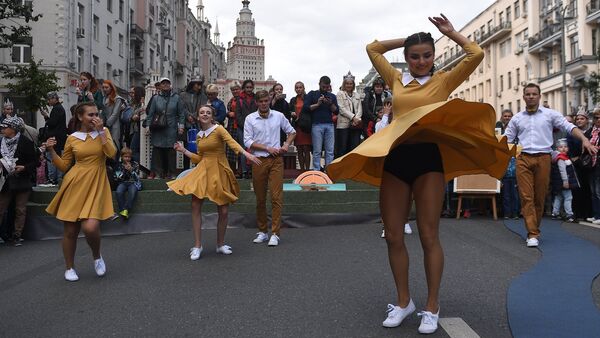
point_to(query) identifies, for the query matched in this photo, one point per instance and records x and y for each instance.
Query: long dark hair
(417, 39)
(138, 95)
(93, 84)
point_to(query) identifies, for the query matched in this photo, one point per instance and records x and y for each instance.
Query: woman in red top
(303, 140)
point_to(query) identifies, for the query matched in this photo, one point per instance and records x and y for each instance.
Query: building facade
(523, 42)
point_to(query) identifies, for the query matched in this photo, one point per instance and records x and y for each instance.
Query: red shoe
(467, 214)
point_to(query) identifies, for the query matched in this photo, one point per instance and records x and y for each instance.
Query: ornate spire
(200, 11)
(217, 34)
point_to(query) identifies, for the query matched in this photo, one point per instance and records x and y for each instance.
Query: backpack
(126, 111)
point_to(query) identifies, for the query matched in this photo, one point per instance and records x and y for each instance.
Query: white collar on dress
(82, 136)
(407, 78)
(205, 133)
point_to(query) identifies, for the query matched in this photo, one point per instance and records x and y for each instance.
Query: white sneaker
(195, 253)
(274, 241)
(261, 237)
(100, 267)
(71, 275)
(407, 229)
(596, 221)
(590, 219)
(396, 314)
(225, 250)
(382, 233)
(532, 242)
(429, 321)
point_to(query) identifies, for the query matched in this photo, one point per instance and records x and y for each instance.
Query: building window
(510, 106)
(96, 28)
(109, 5)
(501, 18)
(109, 37)
(518, 75)
(505, 48)
(508, 18)
(80, 58)
(501, 83)
(518, 106)
(108, 71)
(509, 80)
(81, 17)
(524, 6)
(94, 64)
(517, 9)
(594, 42)
(150, 26)
(121, 44)
(21, 53)
(121, 9)
(574, 43)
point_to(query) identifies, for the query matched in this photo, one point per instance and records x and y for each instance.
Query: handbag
(586, 160)
(159, 119)
(304, 121)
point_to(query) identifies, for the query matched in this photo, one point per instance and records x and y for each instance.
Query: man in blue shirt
(322, 105)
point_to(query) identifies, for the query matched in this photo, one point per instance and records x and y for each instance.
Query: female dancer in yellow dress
(212, 177)
(429, 142)
(84, 197)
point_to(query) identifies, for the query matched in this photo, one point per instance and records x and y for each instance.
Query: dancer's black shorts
(409, 161)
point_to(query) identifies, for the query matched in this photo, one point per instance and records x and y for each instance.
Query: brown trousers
(533, 180)
(268, 175)
(21, 197)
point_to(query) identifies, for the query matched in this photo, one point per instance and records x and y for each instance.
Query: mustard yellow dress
(212, 177)
(85, 190)
(463, 131)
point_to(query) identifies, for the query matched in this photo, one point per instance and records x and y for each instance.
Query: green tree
(31, 83)
(11, 28)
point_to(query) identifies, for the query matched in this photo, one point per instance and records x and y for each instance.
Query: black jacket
(27, 156)
(56, 126)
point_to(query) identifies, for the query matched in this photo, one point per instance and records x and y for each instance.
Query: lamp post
(563, 59)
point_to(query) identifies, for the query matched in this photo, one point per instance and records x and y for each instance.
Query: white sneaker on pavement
(71, 275)
(261, 237)
(590, 219)
(407, 229)
(195, 253)
(100, 267)
(274, 241)
(532, 242)
(596, 221)
(429, 321)
(396, 314)
(224, 249)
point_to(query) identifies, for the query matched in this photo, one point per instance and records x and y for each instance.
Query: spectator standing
(232, 126)
(127, 176)
(349, 120)
(582, 197)
(211, 179)
(18, 160)
(212, 92)
(279, 103)
(564, 180)
(88, 90)
(504, 119)
(303, 140)
(262, 137)
(84, 198)
(533, 127)
(55, 126)
(193, 97)
(322, 105)
(163, 137)
(593, 134)
(139, 113)
(372, 102)
(111, 114)
(8, 109)
(245, 106)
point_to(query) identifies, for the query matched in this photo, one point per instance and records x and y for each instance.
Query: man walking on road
(533, 128)
(262, 138)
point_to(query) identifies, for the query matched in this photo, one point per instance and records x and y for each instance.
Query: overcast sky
(307, 39)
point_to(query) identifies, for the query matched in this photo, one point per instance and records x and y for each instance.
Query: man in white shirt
(533, 128)
(262, 138)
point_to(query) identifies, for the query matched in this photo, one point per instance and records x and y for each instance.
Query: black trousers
(346, 140)
(163, 161)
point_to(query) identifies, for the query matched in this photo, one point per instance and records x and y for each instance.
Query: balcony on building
(136, 67)
(495, 33)
(580, 65)
(548, 36)
(592, 10)
(136, 33)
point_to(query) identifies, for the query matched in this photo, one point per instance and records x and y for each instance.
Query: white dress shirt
(265, 131)
(534, 130)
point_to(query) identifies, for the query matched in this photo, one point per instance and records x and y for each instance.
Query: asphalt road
(329, 281)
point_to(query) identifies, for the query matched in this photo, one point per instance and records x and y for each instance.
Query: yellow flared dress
(463, 131)
(85, 190)
(212, 177)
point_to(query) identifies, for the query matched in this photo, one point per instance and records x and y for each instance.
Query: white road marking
(457, 328)
(590, 224)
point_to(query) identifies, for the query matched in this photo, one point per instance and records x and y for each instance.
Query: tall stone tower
(246, 54)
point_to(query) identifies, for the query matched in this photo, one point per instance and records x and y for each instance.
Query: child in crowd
(510, 195)
(128, 179)
(563, 179)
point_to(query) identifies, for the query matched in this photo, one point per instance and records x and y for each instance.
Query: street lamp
(563, 58)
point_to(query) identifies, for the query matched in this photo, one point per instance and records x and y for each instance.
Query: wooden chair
(476, 186)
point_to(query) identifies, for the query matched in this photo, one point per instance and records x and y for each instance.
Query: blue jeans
(53, 173)
(595, 188)
(240, 139)
(322, 137)
(126, 203)
(564, 198)
(510, 197)
(135, 146)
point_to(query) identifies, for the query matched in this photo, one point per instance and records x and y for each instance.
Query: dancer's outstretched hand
(442, 23)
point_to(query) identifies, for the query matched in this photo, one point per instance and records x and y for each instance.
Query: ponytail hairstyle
(417, 39)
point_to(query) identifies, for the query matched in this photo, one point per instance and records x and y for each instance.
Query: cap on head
(12, 122)
(165, 79)
(561, 142)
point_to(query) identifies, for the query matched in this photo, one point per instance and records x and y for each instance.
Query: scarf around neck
(9, 146)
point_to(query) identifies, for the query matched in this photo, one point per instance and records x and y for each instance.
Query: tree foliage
(31, 83)
(12, 15)
(593, 86)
